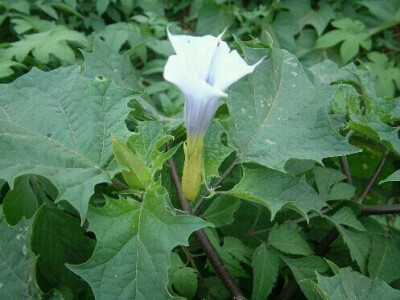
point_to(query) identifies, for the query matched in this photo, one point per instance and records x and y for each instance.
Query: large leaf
(17, 278)
(134, 241)
(107, 63)
(57, 239)
(58, 125)
(277, 113)
(275, 190)
(289, 240)
(353, 285)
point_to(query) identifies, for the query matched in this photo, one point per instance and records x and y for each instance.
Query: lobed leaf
(134, 241)
(272, 121)
(61, 131)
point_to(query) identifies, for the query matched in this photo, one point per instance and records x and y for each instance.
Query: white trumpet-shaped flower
(202, 68)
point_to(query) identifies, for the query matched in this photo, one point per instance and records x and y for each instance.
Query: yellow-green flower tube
(192, 167)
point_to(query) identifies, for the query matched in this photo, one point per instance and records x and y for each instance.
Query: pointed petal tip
(169, 32)
(259, 62)
(219, 37)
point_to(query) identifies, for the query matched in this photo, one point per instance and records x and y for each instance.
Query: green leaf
(275, 190)
(359, 241)
(387, 109)
(373, 127)
(134, 241)
(148, 141)
(137, 176)
(387, 74)
(265, 266)
(304, 15)
(385, 11)
(107, 63)
(330, 39)
(304, 270)
(213, 17)
(116, 35)
(325, 178)
(272, 122)
(341, 191)
(393, 177)
(23, 24)
(353, 285)
(56, 134)
(384, 259)
(185, 281)
(21, 201)
(43, 44)
(102, 5)
(7, 65)
(349, 49)
(353, 35)
(345, 216)
(17, 278)
(153, 6)
(57, 239)
(221, 211)
(214, 150)
(289, 240)
(213, 288)
(232, 253)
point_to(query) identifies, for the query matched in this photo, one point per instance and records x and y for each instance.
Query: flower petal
(228, 67)
(198, 115)
(197, 51)
(200, 97)
(191, 85)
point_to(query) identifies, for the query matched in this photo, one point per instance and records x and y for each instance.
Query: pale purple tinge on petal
(203, 68)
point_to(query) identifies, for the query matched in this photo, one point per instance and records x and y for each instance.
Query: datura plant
(203, 68)
(301, 164)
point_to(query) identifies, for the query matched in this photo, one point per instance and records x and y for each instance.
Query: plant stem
(198, 208)
(373, 178)
(344, 164)
(204, 241)
(368, 210)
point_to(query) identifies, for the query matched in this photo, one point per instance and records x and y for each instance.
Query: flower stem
(204, 241)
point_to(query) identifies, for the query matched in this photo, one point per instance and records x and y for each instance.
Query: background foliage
(310, 141)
